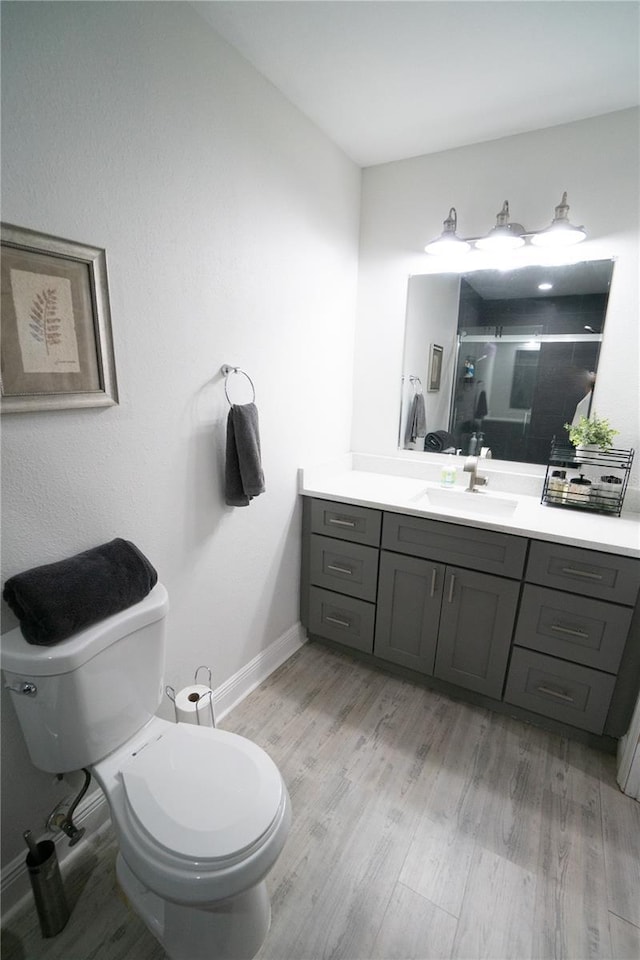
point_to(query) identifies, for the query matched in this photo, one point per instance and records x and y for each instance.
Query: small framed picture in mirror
(435, 368)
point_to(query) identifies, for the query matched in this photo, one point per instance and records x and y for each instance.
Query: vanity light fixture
(448, 241)
(506, 235)
(545, 286)
(561, 233)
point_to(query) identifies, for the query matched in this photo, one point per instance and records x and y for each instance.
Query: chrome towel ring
(226, 371)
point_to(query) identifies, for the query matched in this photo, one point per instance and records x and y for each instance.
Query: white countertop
(526, 515)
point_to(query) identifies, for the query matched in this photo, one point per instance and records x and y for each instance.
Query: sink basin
(480, 502)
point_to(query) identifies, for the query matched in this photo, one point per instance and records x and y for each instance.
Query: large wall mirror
(501, 359)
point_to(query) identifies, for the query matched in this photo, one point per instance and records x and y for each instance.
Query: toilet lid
(203, 793)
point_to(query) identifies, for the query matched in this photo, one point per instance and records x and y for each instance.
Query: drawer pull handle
(451, 586)
(582, 573)
(555, 693)
(341, 523)
(337, 569)
(434, 574)
(567, 631)
(340, 623)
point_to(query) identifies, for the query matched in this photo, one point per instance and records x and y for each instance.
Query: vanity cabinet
(537, 625)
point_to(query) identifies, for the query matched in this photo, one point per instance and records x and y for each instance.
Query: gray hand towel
(416, 421)
(244, 478)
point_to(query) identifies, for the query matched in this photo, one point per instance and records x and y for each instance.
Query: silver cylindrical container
(48, 892)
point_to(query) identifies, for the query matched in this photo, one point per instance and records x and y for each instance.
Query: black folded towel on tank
(56, 600)
(439, 440)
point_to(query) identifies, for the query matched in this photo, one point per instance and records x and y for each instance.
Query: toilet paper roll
(193, 704)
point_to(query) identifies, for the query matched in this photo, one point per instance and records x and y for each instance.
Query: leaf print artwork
(45, 325)
(45, 320)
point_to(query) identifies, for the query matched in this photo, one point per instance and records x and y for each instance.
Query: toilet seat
(166, 788)
(202, 794)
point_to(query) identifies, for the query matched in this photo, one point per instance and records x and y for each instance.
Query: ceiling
(574, 279)
(392, 79)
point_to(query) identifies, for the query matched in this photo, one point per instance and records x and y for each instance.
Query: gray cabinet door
(476, 625)
(409, 600)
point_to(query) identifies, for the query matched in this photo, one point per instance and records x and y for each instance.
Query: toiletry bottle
(473, 445)
(448, 476)
(557, 486)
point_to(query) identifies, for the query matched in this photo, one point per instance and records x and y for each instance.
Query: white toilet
(200, 814)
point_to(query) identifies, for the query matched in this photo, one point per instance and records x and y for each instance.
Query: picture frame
(435, 368)
(57, 346)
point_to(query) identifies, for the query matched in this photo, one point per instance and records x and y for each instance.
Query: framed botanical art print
(57, 349)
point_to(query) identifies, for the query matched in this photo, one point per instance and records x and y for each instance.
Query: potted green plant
(591, 433)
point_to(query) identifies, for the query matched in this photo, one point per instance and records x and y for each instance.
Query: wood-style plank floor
(423, 828)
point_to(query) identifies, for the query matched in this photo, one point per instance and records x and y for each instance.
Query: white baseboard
(240, 685)
(93, 812)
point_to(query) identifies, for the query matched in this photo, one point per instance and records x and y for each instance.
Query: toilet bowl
(200, 814)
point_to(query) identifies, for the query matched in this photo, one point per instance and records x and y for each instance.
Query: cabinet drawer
(484, 550)
(343, 619)
(564, 691)
(591, 632)
(601, 575)
(346, 522)
(346, 567)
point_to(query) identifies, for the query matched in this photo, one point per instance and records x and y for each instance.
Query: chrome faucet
(471, 466)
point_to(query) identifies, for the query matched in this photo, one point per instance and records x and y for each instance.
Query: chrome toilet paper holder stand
(208, 696)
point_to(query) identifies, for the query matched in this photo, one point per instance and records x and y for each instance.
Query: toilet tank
(79, 699)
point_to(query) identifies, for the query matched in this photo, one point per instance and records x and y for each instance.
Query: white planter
(586, 450)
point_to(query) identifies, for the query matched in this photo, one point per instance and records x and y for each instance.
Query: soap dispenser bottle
(473, 445)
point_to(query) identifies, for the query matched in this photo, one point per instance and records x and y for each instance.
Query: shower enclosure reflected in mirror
(519, 357)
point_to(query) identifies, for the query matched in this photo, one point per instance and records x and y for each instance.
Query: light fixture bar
(507, 235)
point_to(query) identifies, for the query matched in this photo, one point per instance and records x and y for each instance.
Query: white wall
(231, 229)
(430, 307)
(404, 204)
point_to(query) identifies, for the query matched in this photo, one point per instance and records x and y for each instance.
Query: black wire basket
(593, 480)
